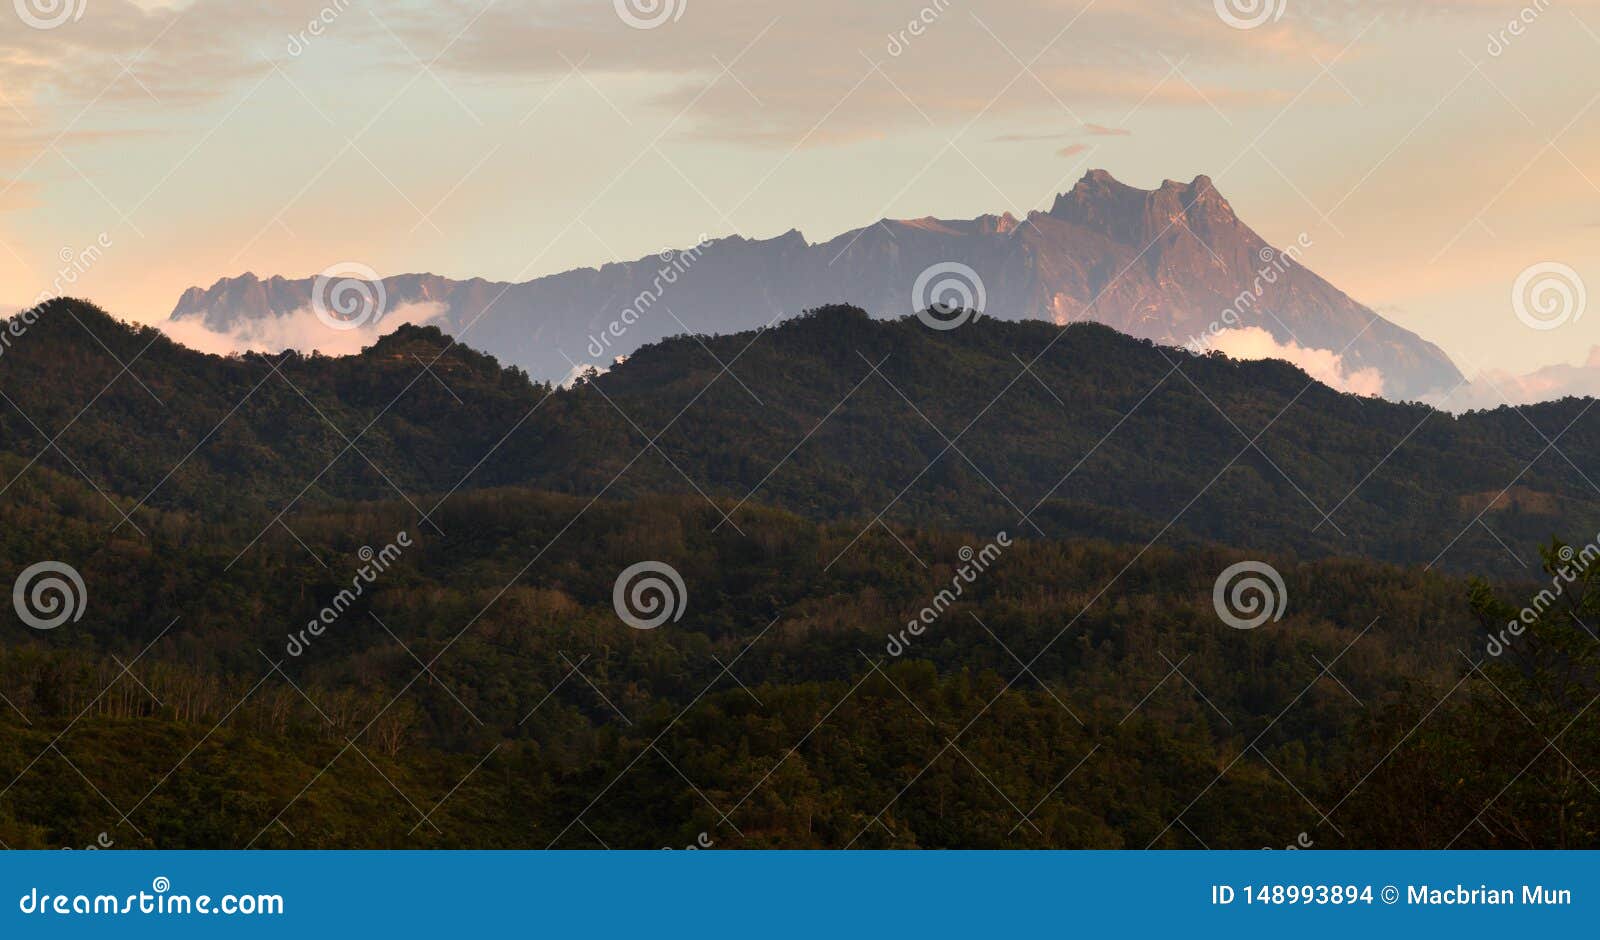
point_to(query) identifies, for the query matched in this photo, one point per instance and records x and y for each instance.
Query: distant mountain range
(1173, 265)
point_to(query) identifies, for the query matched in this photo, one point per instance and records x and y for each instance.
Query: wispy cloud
(1324, 365)
(301, 330)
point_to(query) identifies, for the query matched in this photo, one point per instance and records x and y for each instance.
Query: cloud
(1089, 130)
(1324, 365)
(300, 330)
(1492, 388)
(1072, 150)
(1028, 138)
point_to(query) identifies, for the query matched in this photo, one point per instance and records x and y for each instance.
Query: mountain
(817, 487)
(1170, 265)
(835, 416)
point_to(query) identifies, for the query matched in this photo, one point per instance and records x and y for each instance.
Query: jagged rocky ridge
(1161, 264)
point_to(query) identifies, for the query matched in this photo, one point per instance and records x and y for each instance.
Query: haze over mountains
(1174, 265)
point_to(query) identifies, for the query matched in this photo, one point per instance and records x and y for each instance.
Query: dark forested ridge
(1102, 436)
(481, 690)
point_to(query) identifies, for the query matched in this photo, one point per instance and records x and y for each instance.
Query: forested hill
(831, 415)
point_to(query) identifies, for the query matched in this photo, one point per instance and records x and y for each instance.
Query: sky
(1432, 152)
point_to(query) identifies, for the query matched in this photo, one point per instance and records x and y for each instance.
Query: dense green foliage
(543, 720)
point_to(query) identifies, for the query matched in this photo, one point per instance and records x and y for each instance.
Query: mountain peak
(1100, 200)
(1166, 264)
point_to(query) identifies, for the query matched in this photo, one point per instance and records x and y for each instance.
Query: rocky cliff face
(1169, 264)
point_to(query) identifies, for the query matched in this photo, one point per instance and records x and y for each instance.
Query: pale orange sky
(1429, 153)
